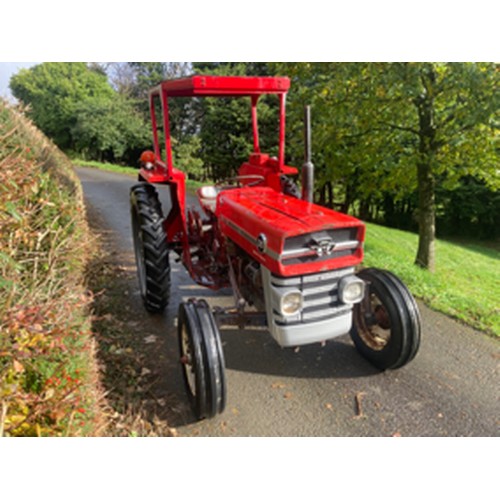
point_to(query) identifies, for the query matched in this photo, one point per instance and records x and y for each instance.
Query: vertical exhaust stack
(308, 167)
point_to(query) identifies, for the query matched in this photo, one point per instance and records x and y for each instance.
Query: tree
(110, 130)
(400, 127)
(150, 74)
(448, 113)
(53, 92)
(76, 106)
(471, 209)
(147, 75)
(121, 76)
(225, 126)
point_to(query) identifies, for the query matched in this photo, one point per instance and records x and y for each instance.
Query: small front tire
(386, 323)
(202, 359)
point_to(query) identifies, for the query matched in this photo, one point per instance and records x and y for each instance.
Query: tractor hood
(288, 235)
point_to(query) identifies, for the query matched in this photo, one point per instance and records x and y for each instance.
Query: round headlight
(291, 303)
(351, 290)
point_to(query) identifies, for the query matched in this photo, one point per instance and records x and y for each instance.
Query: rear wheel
(386, 323)
(150, 246)
(202, 359)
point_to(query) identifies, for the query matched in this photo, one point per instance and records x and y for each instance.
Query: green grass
(106, 166)
(465, 285)
(190, 184)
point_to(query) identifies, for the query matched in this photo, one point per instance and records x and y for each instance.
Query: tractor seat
(207, 195)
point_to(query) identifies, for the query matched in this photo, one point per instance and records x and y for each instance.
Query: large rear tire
(386, 323)
(150, 246)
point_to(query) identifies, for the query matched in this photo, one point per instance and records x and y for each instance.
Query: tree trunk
(326, 194)
(364, 209)
(426, 217)
(329, 188)
(349, 195)
(425, 177)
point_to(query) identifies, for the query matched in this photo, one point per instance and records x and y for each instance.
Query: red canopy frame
(218, 86)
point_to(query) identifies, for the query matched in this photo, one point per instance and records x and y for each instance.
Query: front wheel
(386, 323)
(202, 359)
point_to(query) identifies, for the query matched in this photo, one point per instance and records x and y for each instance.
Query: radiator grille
(320, 246)
(320, 293)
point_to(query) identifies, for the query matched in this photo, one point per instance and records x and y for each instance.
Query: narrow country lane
(449, 389)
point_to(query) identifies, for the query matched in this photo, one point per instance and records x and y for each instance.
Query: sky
(7, 69)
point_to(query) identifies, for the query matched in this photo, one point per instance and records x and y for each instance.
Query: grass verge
(48, 376)
(191, 184)
(119, 169)
(465, 285)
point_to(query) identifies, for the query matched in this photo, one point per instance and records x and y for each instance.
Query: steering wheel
(226, 183)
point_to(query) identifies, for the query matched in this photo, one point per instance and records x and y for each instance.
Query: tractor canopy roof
(223, 86)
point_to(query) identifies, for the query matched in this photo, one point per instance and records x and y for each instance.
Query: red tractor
(291, 264)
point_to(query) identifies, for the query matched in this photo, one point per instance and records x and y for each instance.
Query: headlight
(291, 303)
(351, 290)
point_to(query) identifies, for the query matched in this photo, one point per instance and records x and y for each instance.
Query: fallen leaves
(18, 367)
(281, 385)
(278, 385)
(359, 409)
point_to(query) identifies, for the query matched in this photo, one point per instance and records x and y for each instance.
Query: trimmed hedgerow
(46, 349)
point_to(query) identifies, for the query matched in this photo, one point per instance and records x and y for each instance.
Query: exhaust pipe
(308, 167)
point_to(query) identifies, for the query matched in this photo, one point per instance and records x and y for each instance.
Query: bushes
(76, 106)
(45, 343)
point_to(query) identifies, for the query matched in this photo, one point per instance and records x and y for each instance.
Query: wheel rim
(373, 322)
(187, 360)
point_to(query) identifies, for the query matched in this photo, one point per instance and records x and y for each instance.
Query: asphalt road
(449, 389)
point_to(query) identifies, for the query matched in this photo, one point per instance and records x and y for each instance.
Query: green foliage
(186, 157)
(365, 121)
(147, 75)
(471, 210)
(376, 125)
(77, 107)
(109, 129)
(44, 337)
(54, 91)
(225, 126)
(464, 106)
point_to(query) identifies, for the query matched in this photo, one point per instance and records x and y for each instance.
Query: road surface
(449, 389)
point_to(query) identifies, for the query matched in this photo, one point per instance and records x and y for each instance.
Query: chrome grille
(320, 294)
(319, 246)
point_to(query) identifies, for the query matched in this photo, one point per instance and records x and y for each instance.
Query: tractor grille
(320, 246)
(320, 294)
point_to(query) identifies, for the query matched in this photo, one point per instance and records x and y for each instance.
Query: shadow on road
(256, 351)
